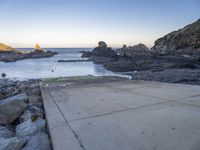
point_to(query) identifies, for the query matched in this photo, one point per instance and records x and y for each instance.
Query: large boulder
(182, 41)
(101, 54)
(12, 143)
(102, 44)
(39, 141)
(11, 108)
(30, 127)
(103, 51)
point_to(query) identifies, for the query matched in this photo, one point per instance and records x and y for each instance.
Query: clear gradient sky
(82, 23)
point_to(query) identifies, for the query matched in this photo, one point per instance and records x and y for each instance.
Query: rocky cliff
(5, 48)
(183, 41)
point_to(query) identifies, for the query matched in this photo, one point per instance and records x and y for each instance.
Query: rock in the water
(183, 41)
(11, 108)
(103, 51)
(3, 75)
(102, 44)
(5, 133)
(101, 54)
(12, 143)
(86, 54)
(29, 128)
(37, 48)
(38, 142)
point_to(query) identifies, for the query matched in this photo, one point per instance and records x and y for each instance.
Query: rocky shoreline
(22, 117)
(15, 56)
(9, 54)
(174, 58)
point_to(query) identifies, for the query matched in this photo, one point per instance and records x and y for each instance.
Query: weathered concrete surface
(122, 115)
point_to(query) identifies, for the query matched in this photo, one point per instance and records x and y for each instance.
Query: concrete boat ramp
(108, 113)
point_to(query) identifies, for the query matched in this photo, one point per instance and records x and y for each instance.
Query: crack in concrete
(114, 112)
(172, 100)
(75, 135)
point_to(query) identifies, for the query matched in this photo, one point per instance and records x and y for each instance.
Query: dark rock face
(101, 54)
(186, 76)
(132, 51)
(186, 40)
(103, 51)
(86, 54)
(102, 44)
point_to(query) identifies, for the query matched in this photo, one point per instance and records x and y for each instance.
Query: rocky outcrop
(101, 54)
(86, 54)
(132, 51)
(5, 48)
(183, 41)
(103, 51)
(37, 48)
(11, 108)
(14, 55)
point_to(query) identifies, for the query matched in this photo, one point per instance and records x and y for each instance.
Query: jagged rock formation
(37, 48)
(132, 51)
(5, 48)
(101, 54)
(183, 41)
(103, 51)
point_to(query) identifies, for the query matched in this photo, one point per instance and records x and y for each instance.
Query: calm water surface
(49, 67)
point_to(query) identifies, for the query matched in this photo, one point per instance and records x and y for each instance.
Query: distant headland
(9, 54)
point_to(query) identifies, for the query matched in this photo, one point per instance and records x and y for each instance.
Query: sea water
(50, 67)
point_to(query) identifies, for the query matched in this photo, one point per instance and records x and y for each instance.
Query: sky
(82, 23)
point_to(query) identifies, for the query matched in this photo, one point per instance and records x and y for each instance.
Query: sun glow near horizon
(59, 23)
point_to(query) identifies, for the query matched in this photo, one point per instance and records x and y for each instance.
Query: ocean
(49, 67)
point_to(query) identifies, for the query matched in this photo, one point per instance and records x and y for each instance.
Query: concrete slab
(84, 101)
(62, 136)
(123, 114)
(162, 127)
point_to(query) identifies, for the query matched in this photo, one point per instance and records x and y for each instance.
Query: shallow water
(49, 67)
